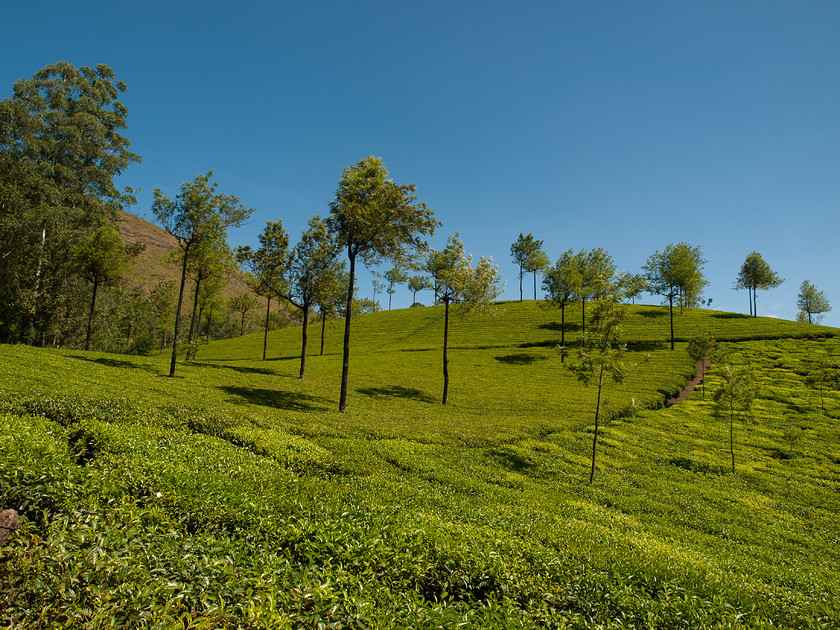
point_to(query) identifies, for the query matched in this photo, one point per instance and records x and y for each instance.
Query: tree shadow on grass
(396, 391)
(518, 359)
(115, 363)
(236, 368)
(652, 313)
(556, 326)
(290, 401)
(731, 316)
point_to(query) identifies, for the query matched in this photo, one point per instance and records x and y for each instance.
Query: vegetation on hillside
(237, 495)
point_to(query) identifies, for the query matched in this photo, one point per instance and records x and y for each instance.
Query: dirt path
(702, 368)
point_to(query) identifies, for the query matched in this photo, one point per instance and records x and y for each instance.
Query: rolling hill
(236, 495)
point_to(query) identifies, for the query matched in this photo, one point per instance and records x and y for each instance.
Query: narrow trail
(702, 368)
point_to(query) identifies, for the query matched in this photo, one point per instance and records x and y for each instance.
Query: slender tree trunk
(90, 315)
(749, 299)
(192, 318)
(209, 319)
(178, 316)
(562, 330)
(535, 284)
(583, 314)
(671, 311)
(597, 416)
(732, 435)
(521, 272)
(345, 365)
(265, 336)
(390, 295)
(445, 351)
(304, 336)
(323, 330)
(755, 304)
(242, 326)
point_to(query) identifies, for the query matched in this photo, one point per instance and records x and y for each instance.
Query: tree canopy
(527, 253)
(756, 274)
(812, 303)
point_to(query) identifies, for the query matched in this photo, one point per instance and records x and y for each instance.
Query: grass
(236, 494)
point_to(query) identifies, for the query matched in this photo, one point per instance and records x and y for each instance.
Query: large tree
(61, 149)
(197, 214)
(457, 281)
(812, 303)
(676, 273)
(595, 277)
(527, 253)
(375, 219)
(756, 274)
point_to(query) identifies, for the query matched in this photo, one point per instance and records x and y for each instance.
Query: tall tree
(197, 214)
(756, 274)
(676, 273)
(561, 283)
(330, 294)
(812, 303)
(595, 277)
(374, 219)
(269, 265)
(457, 281)
(393, 277)
(417, 284)
(61, 149)
(601, 356)
(211, 259)
(102, 259)
(700, 349)
(242, 304)
(527, 253)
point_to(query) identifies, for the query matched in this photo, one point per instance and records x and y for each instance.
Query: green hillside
(236, 495)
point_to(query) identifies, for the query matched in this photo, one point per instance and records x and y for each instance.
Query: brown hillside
(156, 264)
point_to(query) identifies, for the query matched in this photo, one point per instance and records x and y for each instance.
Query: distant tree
(733, 398)
(528, 255)
(417, 284)
(374, 219)
(378, 287)
(812, 303)
(242, 304)
(211, 259)
(269, 266)
(601, 355)
(700, 349)
(633, 285)
(756, 274)
(676, 273)
(102, 259)
(197, 214)
(457, 281)
(393, 277)
(330, 294)
(595, 277)
(561, 283)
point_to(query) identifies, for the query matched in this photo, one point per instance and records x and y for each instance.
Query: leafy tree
(561, 283)
(60, 150)
(812, 303)
(198, 214)
(330, 293)
(676, 273)
(417, 284)
(393, 277)
(601, 355)
(528, 254)
(211, 259)
(269, 265)
(633, 285)
(457, 281)
(102, 259)
(733, 398)
(595, 277)
(242, 304)
(374, 219)
(700, 349)
(756, 274)
(378, 287)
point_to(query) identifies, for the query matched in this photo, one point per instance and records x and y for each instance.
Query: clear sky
(615, 124)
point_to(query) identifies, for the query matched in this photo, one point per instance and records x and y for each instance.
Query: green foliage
(756, 274)
(812, 303)
(236, 496)
(528, 254)
(734, 398)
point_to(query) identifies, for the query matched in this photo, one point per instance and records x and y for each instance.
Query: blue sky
(615, 124)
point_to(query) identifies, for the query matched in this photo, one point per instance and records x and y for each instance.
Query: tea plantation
(236, 496)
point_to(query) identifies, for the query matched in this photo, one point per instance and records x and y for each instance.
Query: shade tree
(561, 283)
(676, 273)
(812, 303)
(196, 215)
(393, 277)
(375, 219)
(528, 255)
(457, 282)
(756, 274)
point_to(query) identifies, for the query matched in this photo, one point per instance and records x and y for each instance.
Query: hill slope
(236, 495)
